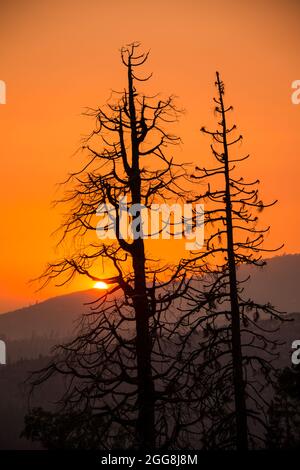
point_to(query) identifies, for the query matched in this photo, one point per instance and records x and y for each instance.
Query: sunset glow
(48, 88)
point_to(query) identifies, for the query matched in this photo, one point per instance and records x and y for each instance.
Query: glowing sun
(100, 285)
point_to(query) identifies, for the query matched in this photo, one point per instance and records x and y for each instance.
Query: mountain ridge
(276, 283)
(56, 314)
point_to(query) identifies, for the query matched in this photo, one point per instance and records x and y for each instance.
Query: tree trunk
(237, 360)
(145, 422)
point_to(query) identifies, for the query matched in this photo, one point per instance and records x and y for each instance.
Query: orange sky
(59, 56)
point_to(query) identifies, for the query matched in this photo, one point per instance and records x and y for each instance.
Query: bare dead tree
(235, 352)
(121, 368)
(168, 354)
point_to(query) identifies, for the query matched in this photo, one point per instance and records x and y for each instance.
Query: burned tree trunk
(118, 366)
(233, 343)
(237, 361)
(146, 420)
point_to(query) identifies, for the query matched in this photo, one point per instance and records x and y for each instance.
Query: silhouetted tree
(167, 355)
(68, 430)
(283, 430)
(118, 368)
(234, 350)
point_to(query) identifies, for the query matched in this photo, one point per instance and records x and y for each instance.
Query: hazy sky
(59, 56)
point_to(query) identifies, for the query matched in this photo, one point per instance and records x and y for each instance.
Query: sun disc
(100, 285)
